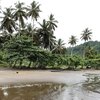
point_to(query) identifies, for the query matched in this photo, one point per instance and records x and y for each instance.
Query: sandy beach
(8, 77)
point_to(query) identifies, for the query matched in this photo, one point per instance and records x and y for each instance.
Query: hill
(79, 48)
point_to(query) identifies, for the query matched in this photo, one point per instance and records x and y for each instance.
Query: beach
(8, 77)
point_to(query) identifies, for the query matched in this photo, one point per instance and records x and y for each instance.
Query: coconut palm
(86, 36)
(72, 42)
(47, 32)
(20, 14)
(59, 47)
(52, 22)
(52, 42)
(47, 36)
(8, 22)
(44, 34)
(33, 12)
(29, 31)
(51, 27)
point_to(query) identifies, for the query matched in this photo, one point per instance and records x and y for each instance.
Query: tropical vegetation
(27, 43)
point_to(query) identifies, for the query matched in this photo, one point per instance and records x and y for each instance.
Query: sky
(73, 16)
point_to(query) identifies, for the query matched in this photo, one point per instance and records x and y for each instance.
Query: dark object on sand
(17, 72)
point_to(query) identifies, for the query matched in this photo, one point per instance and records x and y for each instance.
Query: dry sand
(8, 77)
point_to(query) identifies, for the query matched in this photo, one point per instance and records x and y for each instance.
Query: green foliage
(79, 48)
(23, 45)
(93, 63)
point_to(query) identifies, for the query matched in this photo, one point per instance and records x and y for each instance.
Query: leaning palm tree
(33, 12)
(8, 22)
(72, 42)
(86, 36)
(20, 14)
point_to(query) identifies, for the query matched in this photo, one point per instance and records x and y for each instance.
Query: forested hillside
(79, 48)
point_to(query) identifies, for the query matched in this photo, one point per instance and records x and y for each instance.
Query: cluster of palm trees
(23, 40)
(86, 36)
(15, 21)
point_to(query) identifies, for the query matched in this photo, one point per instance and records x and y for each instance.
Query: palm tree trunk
(84, 49)
(72, 51)
(49, 43)
(19, 29)
(33, 31)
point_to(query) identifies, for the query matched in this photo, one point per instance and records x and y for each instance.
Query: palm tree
(44, 34)
(33, 12)
(20, 14)
(72, 42)
(47, 32)
(51, 27)
(8, 22)
(59, 47)
(86, 35)
(47, 36)
(52, 22)
(29, 31)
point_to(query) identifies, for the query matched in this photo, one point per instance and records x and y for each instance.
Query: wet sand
(8, 77)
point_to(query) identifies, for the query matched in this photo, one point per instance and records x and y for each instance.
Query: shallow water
(88, 89)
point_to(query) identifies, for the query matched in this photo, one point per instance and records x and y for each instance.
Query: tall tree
(86, 36)
(47, 36)
(20, 14)
(72, 42)
(36, 37)
(59, 47)
(33, 12)
(44, 34)
(47, 32)
(52, 22)
(52, 25)
(8, 22)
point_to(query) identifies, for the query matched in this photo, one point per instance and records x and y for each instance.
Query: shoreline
(11, 77)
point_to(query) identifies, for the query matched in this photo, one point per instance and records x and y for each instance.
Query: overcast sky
(73, 16)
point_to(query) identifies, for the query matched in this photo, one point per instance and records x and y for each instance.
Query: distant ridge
(79, 48)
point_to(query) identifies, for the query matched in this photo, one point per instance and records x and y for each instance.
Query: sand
(8, 77)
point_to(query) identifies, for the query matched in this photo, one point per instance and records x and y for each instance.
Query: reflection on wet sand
(39, 91)
(88, 89)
